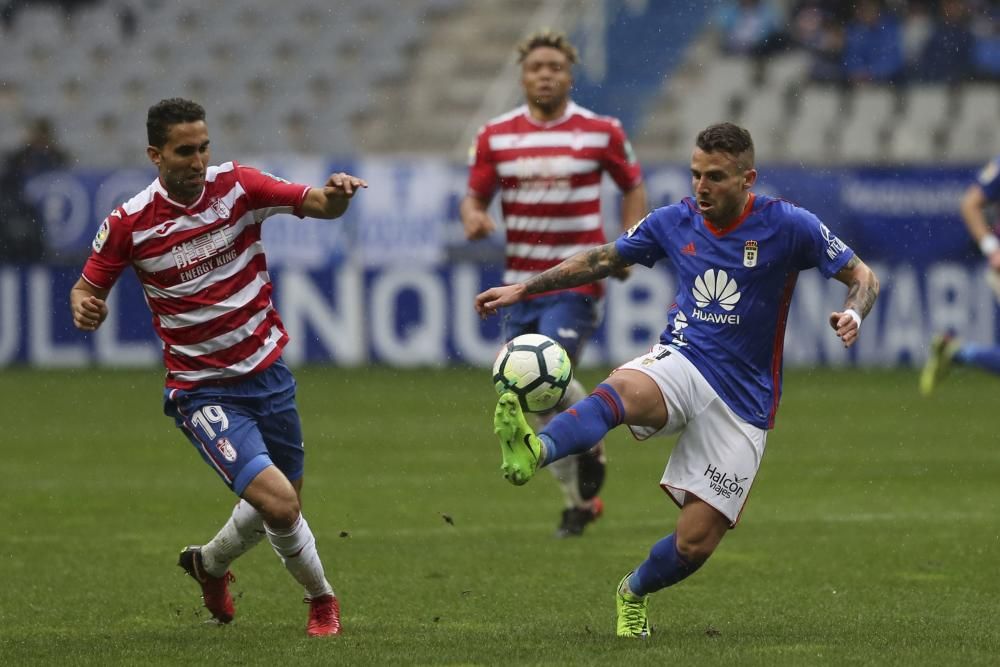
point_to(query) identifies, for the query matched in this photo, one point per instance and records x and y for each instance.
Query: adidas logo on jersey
(689, 249)
(715, 287)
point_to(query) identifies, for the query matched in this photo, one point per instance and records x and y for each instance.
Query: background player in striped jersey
(715, 376)
(548, 157)
(193, 238)
(981, 199)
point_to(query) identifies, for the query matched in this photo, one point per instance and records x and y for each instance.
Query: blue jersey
(989, 180)
(734, 290)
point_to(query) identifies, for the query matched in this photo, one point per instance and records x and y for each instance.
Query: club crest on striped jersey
(716, 287)
(220, 208)
(750, 254)
(226, 449)
(102, 235)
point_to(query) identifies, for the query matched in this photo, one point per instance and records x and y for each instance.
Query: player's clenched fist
(88, 312)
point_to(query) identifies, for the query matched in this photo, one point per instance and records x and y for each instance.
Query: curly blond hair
(547, 38)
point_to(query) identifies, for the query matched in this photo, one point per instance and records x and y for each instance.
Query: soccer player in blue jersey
(946, 350)
(715, 374)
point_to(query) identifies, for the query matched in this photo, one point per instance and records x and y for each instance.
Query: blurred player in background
(193, 238)
(946, 350)
(715, 375)
(547, 158)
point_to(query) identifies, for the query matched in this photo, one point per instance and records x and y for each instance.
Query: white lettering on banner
(809, 338)
(958, 302)
(469, 342)
(306, 312)
(355, 325)
(902, 198)
(903, 316)
(423, 343)
(10, 320)
(405, 220)
(110, 350)
(42, 349)
(636, 312)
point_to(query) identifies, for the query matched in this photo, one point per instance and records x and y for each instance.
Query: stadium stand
(384, 77)
(801, 112)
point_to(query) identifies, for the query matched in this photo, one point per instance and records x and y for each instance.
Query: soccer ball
(536, 369)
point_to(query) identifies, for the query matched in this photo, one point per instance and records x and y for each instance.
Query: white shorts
(718, 454)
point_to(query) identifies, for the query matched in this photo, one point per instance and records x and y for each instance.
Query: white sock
(241, 533)
(565, 470)
(297, 548)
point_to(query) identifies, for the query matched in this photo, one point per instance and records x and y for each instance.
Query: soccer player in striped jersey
(547, 158)
(715, 375)
(193, 238)
(981, 198)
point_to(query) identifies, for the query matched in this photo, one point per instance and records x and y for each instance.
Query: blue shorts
(569, 318)
(241, 428)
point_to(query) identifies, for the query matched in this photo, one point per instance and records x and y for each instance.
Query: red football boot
(324, 616)
(214, 590)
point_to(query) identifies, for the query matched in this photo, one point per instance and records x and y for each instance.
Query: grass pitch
(872, 535)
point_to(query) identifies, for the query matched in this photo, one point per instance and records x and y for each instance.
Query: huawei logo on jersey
(164, 228)
(715, 287)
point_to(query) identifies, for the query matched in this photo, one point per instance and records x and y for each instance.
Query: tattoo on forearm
(861, 294)
(580, 269)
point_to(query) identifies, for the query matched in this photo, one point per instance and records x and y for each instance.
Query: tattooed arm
(580, 269)
(862, 290)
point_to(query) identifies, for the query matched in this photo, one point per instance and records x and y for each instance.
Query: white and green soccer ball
(534, 368)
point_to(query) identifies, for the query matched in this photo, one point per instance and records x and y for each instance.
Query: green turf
(872, 535)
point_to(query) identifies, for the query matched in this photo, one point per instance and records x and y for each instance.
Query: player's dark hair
(165, 113)
(547, 38)
(727, 138)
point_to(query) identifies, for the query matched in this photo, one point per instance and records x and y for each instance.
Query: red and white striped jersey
(203, 271)
(549, 175)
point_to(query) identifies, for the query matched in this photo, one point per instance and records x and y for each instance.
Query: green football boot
(519, 445)
(943, 349)
(631, 621)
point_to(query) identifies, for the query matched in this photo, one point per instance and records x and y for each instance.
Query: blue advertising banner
(377, 285)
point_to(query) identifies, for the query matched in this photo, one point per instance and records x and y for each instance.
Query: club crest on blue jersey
(750, 254)
(226, 449)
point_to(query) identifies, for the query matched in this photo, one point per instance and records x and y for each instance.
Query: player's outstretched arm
(476, 222)
(331, 200)
(89, 305)
(580, 269)
(862, 290)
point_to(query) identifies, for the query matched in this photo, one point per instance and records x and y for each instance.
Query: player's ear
(154, 155)
(749, 178)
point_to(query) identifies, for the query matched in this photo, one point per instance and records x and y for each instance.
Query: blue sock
(582, 426)
(986, 357)
(664, 567)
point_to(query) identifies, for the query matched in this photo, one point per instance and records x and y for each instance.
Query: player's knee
(280, 510)
(695, 549)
